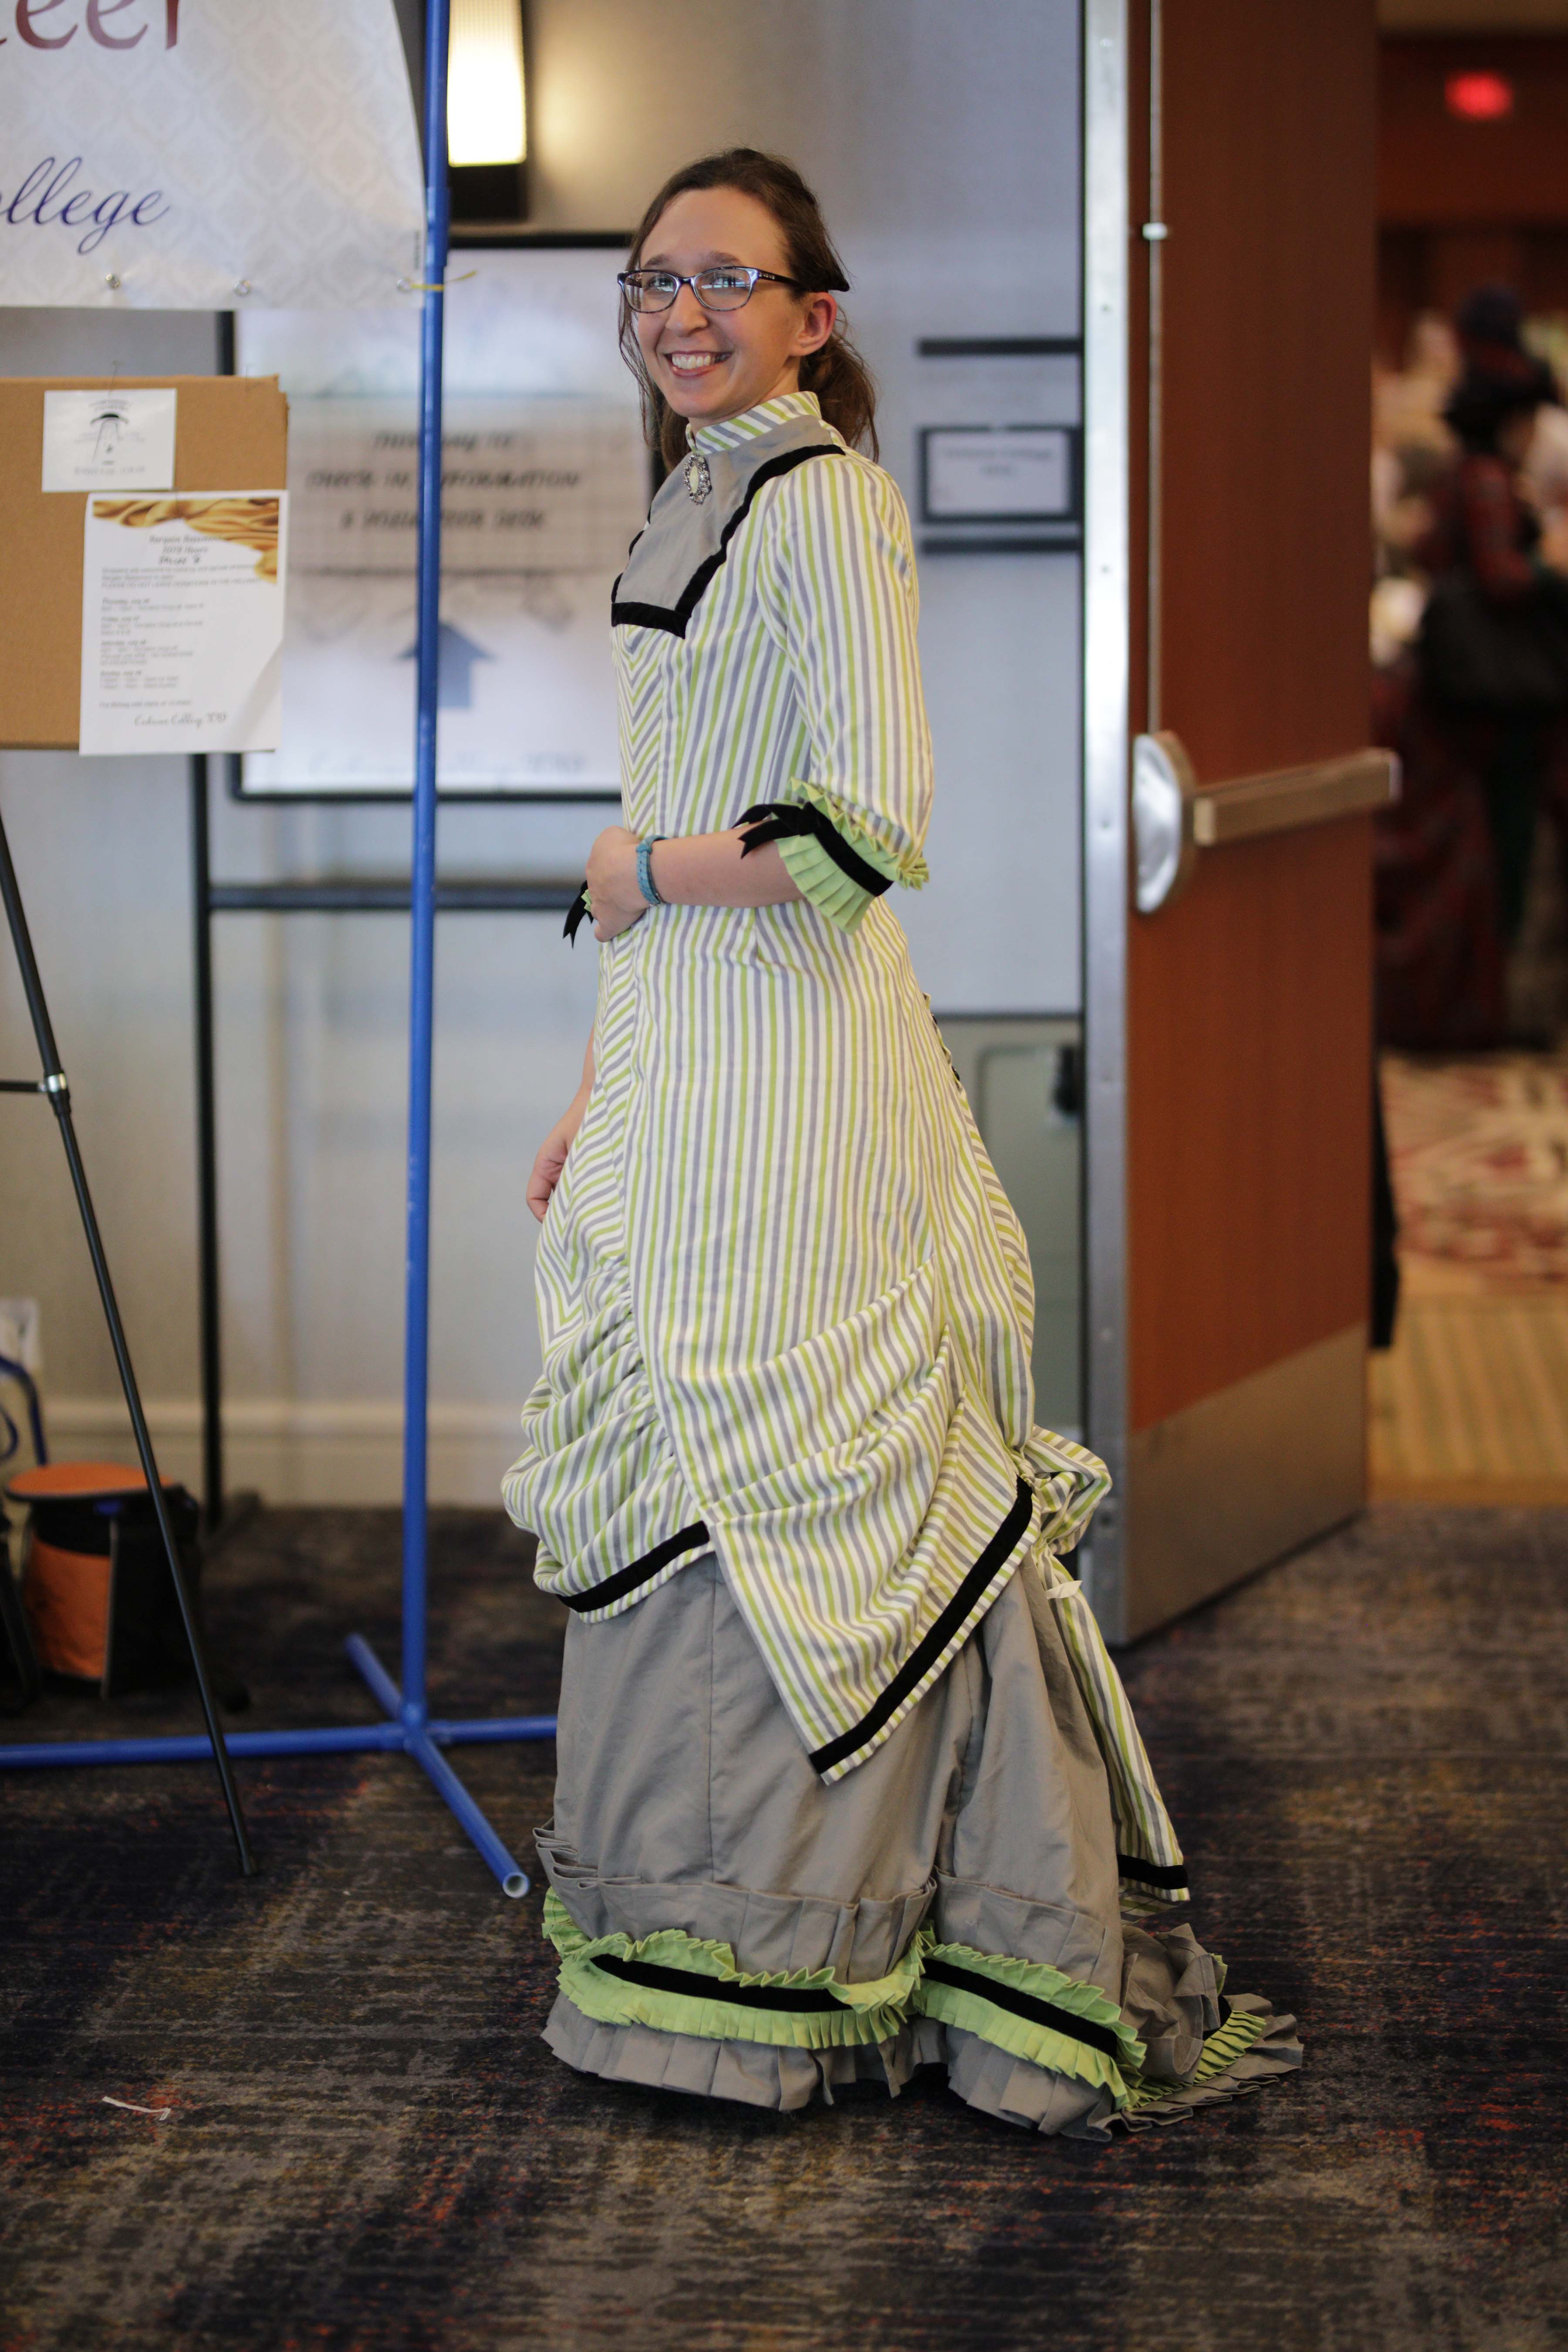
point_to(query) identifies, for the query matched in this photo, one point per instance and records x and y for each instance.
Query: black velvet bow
(576, 913)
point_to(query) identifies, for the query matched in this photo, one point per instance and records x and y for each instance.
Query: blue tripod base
(408, 1731)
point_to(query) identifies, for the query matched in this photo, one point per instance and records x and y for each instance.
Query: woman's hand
(618, 902)
(551, 1157)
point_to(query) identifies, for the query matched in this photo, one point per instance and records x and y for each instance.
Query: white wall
(944, 143)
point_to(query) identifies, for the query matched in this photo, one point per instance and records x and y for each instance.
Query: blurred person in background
(1475, 709)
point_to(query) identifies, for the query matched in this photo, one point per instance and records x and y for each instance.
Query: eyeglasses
(728, 287)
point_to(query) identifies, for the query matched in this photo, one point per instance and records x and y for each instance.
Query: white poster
(182, 623)
(202, 154)
(545, 483)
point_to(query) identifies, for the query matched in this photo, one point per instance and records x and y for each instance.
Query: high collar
(729, 432)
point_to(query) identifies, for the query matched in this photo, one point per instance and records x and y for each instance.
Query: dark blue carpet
(369, 2147)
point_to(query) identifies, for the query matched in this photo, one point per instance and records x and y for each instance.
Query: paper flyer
(98, 440)
(182, 623)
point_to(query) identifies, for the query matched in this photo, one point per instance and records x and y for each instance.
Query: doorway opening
(1469, 1404)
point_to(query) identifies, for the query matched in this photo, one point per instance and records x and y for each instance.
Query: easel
(408, 1727)
(54, 1087)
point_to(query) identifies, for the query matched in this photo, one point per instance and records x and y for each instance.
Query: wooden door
(1235, 1401)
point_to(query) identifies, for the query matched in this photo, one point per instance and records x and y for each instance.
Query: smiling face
(710, 365)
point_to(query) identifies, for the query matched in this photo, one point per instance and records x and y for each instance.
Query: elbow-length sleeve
(838, 593)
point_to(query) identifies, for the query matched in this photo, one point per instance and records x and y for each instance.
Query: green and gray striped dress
(785, 1305)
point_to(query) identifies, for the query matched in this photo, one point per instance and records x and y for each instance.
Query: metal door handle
(1174, 816)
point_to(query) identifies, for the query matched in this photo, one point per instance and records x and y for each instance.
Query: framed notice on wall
(546, 484)
(1006, 474)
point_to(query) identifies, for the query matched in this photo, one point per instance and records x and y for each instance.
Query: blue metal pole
(341, 1739)
(363, 1658)
(422, 928)
(336, 1740)
(467, 1814)
(486, 1731)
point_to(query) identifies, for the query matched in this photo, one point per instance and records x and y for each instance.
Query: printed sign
(1011, 473)
(182, 624)
(198, 154)
(92, 440)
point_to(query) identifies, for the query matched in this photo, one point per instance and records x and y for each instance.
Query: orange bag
(96, 1588)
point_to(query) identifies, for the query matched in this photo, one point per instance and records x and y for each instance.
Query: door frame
(1107, 750)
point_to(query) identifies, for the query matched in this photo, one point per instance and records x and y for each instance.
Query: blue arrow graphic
(457, 655)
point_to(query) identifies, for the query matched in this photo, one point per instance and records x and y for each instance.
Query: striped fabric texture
(785, 1305)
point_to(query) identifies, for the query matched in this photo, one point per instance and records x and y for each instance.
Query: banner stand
(409, 1729)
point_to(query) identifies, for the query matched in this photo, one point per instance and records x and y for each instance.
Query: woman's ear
(817, 321)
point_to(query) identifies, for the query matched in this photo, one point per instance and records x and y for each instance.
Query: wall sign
(545, 485)
(999, 474)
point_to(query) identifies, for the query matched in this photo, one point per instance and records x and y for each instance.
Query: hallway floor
(368, 2149)
(1471, 1404)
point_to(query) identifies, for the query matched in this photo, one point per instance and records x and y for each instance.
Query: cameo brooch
(698, 480)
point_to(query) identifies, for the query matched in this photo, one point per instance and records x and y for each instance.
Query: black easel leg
(207, 1153)
(59, 1093)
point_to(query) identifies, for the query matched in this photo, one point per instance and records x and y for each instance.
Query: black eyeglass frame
(714, 270)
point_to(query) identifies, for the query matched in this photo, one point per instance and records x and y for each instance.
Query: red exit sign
(1479, 97)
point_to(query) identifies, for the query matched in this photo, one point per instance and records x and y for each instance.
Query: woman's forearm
(691, 869)
(706, 869)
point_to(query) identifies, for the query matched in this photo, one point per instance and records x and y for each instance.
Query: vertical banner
(204, 154)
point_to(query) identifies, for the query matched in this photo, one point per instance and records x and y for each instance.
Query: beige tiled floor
(1471, 1402)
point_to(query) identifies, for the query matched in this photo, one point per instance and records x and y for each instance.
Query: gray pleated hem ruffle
(754, 2074)
(1171, 1994)
(1017, 2093)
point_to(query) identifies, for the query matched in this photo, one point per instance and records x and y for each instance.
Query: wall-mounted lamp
(487, 111)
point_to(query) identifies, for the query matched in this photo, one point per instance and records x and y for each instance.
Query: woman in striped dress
(847, 1781)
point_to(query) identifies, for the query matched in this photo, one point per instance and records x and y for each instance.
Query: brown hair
(837, 373)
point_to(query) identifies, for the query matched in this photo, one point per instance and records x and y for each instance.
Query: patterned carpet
(370, 2151)
(1479, 1146)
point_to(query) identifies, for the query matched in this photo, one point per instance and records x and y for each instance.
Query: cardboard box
(231, 432)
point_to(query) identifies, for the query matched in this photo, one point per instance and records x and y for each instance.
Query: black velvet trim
(788, 820)
(1024, 2004)
(696, 1986)
(926, 1652)
(1152, 1874)
(674, 617)
(626, 1579)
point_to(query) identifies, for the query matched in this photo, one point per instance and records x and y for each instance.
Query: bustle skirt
(729, 1926)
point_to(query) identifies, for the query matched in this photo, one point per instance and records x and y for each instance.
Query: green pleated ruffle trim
(1041, 2045)
(832, 891)
(1221, 2050)
(858, 2014)
(830, 2014)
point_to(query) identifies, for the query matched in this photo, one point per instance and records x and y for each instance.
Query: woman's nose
(686, 313)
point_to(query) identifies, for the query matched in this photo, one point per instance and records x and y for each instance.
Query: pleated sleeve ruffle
(838, 591)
